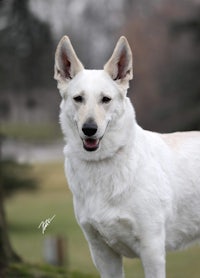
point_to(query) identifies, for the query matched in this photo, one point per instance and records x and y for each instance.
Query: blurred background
(165, 38)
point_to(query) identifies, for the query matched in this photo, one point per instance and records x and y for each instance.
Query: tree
(188, 82)
(166, 66)
(7, 254)
(26, 47)
(13, 176)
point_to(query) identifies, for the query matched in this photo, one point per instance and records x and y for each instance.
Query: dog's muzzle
(90, 143)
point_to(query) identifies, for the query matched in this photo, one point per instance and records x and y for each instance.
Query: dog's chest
(101, 201)
(112, 224)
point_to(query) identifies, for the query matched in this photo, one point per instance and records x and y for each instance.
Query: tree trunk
(7, 254)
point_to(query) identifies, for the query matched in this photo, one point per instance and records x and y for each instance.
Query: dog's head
(92, 99)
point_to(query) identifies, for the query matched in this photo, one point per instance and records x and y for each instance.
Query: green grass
(31, 132)
(25, 270)
(26, 210)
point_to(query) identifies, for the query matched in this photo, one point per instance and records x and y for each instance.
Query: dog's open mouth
(90, 144)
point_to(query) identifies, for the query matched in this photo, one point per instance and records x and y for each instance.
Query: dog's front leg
(153, 258)
(107, 262)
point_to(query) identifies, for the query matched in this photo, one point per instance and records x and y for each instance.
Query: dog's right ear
(67, 64)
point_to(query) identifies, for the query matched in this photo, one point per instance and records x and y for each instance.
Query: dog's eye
(78, 99)
(106, 99)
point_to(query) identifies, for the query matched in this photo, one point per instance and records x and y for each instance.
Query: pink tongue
(91, 143)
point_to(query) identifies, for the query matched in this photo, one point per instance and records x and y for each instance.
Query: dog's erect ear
(67, 64)
(119, 66)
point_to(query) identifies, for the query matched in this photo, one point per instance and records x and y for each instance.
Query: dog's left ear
(67, 64)
(119, 66)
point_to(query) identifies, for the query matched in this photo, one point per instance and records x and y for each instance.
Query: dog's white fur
(138, 193)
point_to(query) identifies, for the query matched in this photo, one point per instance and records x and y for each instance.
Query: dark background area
(164, 36)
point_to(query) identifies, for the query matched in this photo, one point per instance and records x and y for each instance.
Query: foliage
(15, 176)
(191, 25)
(167, 66)
(25, 49)
(183, 78)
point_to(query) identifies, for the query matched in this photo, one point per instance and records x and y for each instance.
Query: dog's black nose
(89, 128)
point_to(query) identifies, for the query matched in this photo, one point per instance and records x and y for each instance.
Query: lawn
(25, 211)
(32, 133)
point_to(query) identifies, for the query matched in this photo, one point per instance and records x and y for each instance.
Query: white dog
(136, 193)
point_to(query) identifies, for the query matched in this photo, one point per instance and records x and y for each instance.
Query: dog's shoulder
(178, 139)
